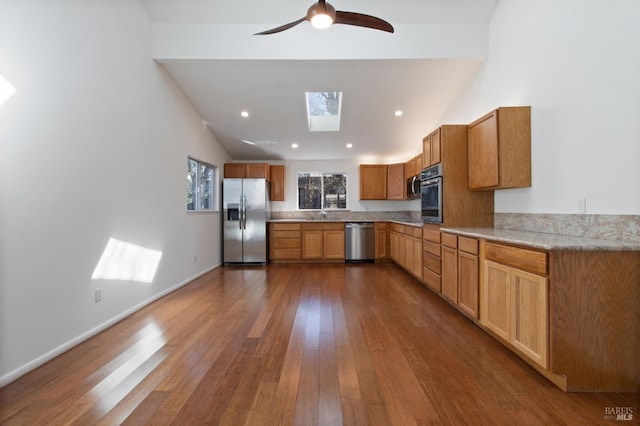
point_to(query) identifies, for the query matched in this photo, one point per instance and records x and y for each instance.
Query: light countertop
(545, 241)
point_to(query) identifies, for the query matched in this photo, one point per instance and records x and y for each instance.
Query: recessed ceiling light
(294, 145)
(349, 145)
(398, 113)
(244, 114)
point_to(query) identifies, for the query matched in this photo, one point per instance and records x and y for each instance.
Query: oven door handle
(431, 181)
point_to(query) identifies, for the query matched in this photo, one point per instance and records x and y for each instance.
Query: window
(200, 186)
(318, 191)
(323, 111)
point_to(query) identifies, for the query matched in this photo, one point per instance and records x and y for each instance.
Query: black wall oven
(431, 194)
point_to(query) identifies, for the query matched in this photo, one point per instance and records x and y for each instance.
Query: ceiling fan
(323, 15)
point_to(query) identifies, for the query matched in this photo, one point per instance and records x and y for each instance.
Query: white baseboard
(32, 365)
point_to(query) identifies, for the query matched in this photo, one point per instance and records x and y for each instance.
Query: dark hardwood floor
(297, 344)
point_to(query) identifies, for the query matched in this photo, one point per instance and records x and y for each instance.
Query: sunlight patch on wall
(124, 261)
(6, 90)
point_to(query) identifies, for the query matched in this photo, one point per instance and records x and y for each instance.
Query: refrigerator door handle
(244, 212)
(240, 213)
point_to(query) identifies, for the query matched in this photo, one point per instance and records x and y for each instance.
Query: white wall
(577, 63)
(93, 146)
(352, 168)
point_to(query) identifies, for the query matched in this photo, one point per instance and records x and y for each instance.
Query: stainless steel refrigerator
(244, 223)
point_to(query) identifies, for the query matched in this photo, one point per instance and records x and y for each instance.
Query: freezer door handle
(244, 212)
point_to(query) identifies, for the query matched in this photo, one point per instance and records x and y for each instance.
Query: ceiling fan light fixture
(321, 15)
(321, 21)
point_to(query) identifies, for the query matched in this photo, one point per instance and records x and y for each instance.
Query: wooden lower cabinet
(529, 318)
(285, 242)
(496, 297)
(468, 276)
(450, 274)
(312, 242)
(382, 241)
(333, 245)
(396, 244)
(516, 309)
(515, 301)
(460, 273)
(323, 241)
(431, 257)
(405, 243)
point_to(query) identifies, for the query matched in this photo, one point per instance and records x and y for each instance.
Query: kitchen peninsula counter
(544, 241)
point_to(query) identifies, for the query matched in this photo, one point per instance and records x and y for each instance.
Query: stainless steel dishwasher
(359, 241)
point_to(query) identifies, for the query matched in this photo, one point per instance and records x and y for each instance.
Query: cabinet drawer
(431, 279)
(468, 245)
(529, 260)
(417, 232)
(396, 227)
(432, 248)
(449, 240)
(281, 243)
(286, 226)
(432, 262)
(286, 234)
(329, 226)
(381, 226)
(431, 233)
(287, 253)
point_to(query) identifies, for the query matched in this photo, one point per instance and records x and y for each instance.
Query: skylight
(323, 111)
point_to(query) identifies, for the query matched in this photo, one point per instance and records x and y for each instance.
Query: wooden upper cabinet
(246, 170)
(373, 181)
(235, 170)
(413, 166)
(258, 170)
(500, 149)
(277, 182)
(396, 187)
(431, 148)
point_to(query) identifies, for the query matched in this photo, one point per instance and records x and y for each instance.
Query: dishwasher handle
(359, 225)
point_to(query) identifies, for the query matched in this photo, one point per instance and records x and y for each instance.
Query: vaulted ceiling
(209, 50)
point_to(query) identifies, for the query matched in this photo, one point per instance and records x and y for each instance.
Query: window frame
(322, 193)
(197, 187)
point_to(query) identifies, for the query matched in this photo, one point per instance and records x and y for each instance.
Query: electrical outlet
(98, 295)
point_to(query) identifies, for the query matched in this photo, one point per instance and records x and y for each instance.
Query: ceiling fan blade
(283, 27)
(362, 20)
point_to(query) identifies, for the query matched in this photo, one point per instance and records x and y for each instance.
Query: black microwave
(413, 187)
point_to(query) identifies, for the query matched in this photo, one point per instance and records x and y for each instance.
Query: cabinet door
(426, 152)
(450, 274)
(408, 253)
(258, 170)
(417, 257)
(396, 183)
(483, 152)
(468, 283)
(529, 315)
(496, 313)
(435, 148)
(235, 170)
(400, 248)
(333, 245)
(382, 242)
(277, 182)
(312, 245)
(373, 181)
